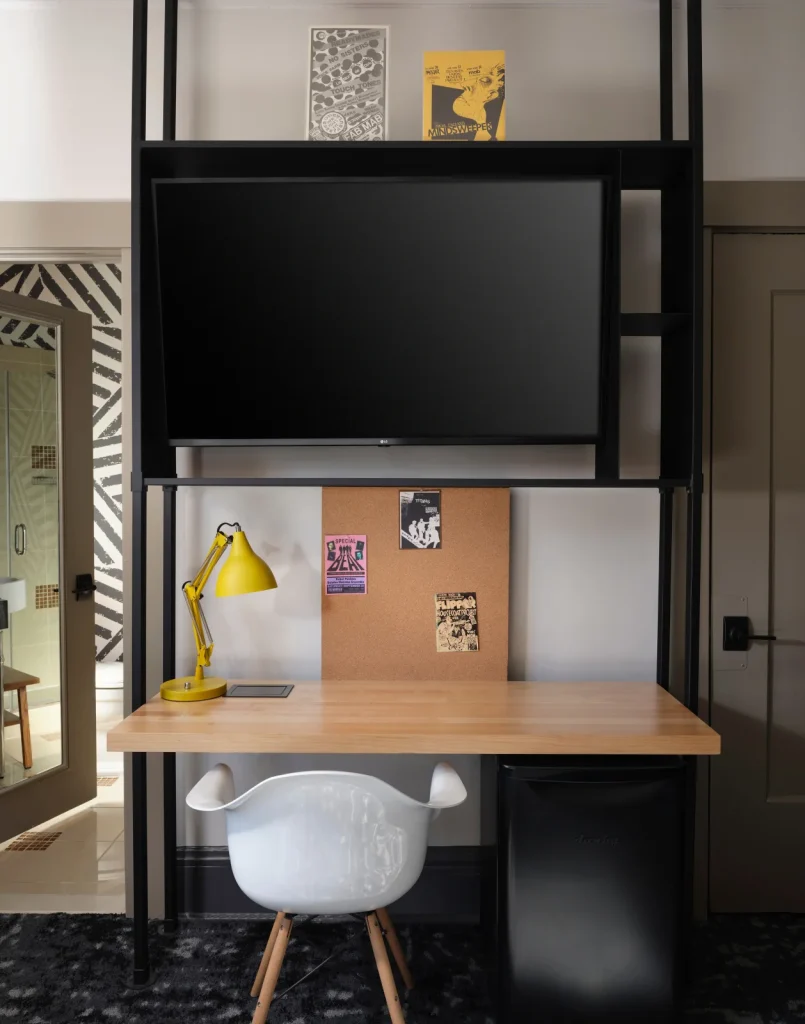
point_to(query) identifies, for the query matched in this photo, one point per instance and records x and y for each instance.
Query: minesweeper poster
(347, 94)
(464, 95)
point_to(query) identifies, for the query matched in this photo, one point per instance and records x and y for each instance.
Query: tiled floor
(82, 870)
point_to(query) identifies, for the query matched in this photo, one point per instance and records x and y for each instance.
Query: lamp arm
(193, 592)
(210, 562)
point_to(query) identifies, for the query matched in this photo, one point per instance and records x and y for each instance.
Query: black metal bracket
(736, 633)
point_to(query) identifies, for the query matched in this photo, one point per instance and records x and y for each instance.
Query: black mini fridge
(590, 889)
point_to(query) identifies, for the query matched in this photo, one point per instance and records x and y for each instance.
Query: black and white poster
(347, 95)
(456, 622)
(420, 519)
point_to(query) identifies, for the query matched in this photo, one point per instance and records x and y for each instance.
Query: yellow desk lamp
(244, 572)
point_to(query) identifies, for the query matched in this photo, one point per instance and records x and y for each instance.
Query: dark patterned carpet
(60, 969)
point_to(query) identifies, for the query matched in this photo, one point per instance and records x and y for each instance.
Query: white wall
(583, 589)
(576, 69)
(583, 564)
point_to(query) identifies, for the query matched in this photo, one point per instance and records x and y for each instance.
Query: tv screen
(381, 311)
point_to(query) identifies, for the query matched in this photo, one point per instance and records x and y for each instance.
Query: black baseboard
(449, 889)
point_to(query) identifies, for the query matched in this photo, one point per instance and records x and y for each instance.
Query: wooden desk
(425, 718)
(395, 718)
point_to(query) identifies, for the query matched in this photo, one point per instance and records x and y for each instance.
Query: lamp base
(198, 689)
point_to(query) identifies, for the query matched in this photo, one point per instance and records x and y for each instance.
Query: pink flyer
(345, 564)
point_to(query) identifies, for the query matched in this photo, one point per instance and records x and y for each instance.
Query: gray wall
(585, 68)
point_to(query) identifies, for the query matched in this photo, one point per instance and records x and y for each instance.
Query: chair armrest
(214, 791)
(446, 788)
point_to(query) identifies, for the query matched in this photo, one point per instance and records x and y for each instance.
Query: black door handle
(84, 585)
(736, 633)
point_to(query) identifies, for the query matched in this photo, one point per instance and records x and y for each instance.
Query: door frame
(745, 207)
(61, 231)
(44, 796)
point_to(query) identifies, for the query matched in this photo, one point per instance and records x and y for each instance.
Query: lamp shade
(243, 572)
(13, 591)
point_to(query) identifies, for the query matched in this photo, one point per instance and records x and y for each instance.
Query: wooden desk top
(425, 718)
(13, 679)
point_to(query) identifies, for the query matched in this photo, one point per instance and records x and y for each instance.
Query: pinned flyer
(344, 564)
(420, 519)
(456, 622)
(347, 84)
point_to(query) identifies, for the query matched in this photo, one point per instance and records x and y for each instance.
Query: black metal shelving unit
(670, 166)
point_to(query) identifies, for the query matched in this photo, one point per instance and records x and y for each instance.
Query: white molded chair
(326, 843)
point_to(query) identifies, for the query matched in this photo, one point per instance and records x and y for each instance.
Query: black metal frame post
(139, 782)
(170, 869)
(171, 916)
(607, 451)
(693, 541)
(169, 70)
(664, 593)
(139, 779)
(694, 523)
(666, 70)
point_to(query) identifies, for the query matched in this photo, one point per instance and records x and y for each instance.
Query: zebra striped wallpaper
(95, 289)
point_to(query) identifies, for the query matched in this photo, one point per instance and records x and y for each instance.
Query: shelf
(408, 481)
(642, 165)
(653, 325)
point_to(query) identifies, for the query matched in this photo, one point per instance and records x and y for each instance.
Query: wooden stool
(20, 681)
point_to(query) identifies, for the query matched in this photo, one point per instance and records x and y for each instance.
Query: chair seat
(326, 843)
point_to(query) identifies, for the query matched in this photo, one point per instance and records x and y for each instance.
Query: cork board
(390, 632)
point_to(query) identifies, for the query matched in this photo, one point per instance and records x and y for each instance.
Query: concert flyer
(345, 564)
(464, 95)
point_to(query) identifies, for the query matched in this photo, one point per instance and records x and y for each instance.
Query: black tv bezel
(608, 275)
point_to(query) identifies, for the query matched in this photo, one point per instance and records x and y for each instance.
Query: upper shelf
(441, 483)
(643, 165)
(653, 325)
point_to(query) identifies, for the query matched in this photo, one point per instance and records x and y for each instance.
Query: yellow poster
(464, 95)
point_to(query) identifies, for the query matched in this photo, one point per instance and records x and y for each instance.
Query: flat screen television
(382, 311)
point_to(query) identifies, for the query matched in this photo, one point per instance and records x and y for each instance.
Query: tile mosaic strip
(107, 780)
(46, 595)
(43, 456)
(30, 841)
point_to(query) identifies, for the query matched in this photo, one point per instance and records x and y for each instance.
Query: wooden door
(757, 860)
(46, 543)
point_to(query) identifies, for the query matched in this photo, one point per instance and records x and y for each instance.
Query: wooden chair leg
(394, 945)
(384, 969)
(25, 729)
(272, 939)
(273, 972)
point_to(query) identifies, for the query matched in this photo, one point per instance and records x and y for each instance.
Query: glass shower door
(32, 545)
